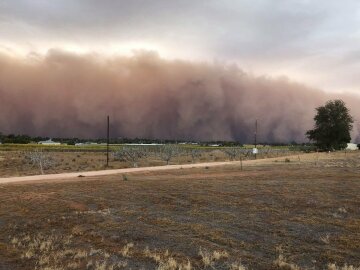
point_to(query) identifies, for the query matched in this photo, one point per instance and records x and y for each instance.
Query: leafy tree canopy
(333, 124)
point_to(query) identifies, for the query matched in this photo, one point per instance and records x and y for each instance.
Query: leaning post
(107, 141)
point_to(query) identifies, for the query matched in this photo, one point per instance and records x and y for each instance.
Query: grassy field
(15, 162)
(302, 213)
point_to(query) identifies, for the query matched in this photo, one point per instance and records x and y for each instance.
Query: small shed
(49, 142)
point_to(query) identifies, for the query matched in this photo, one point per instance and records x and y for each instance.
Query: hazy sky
(313, 42)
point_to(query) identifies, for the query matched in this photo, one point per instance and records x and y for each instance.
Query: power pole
(108, 141)
(255, 137)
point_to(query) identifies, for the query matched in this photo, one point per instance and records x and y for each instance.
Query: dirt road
(63, 176)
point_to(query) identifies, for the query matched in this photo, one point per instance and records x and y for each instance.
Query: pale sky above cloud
(313, 42)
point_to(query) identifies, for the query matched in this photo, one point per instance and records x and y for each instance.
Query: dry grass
(345, 267)
(15, 163)
(57, 252)
(281, 262)
(216, 218)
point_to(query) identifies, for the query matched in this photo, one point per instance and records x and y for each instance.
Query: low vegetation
(21, 160)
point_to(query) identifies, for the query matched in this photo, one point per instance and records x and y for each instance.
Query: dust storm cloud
(70, 95)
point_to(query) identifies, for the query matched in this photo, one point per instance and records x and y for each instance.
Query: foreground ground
(272, 215)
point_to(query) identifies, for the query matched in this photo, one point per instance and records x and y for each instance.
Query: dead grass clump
(217, 255)
(169, 264)
(165, 261)
(73, 265)
(281, 262)
(342, 210)
(186, 266)
(81, 254)
(104, 264)
(206, 257)
(209, 258)
(152, 255)
(325, 239)
(237, 266)
(332, 266)
(126, 250)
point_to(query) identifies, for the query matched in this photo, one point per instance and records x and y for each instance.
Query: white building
(142, 144)
(352, 146)
(85, 144)
(49, 142)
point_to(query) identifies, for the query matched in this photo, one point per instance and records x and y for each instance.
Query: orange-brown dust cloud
(69, 95)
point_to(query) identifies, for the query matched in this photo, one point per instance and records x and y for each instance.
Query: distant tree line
(25, 139)
(18, 139)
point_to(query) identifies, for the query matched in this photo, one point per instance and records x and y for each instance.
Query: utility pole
(255, 134)
(108, 141)
(255, 137)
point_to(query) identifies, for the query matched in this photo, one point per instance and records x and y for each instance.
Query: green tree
(333, 124)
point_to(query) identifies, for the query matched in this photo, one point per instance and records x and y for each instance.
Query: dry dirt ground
(302, 214)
